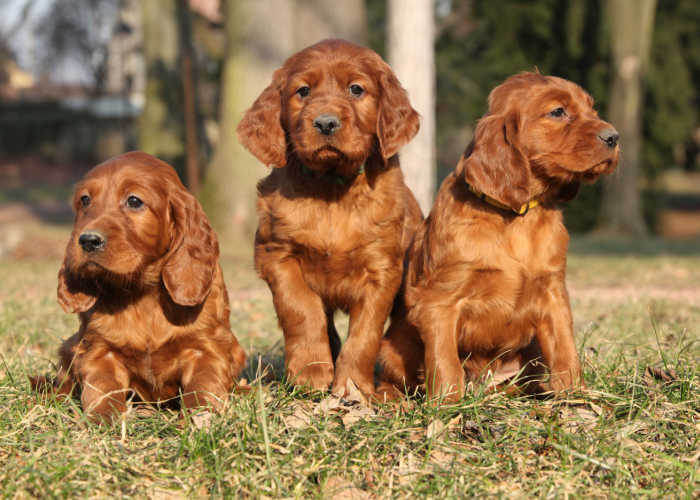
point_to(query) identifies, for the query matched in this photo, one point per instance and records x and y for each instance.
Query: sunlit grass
(629, 434)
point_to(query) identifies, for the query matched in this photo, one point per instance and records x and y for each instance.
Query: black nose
(326, 123)
(91, 241)
(609, 136)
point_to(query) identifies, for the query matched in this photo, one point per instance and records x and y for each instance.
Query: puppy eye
(557, 113)
(356, 90)
(303, 91)
(134, 202)
(85, 200)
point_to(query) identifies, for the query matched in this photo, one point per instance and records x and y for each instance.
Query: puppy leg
(104, 387)
(206, 379)
(555, 337)
(359, 354)
(302, 316)
(64, 383)
(400, 359)
(444, 376)
(238, 356)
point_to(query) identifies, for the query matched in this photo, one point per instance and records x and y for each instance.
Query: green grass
(630, 434)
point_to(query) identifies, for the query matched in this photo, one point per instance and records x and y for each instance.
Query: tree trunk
(410, 50)
(315, 20)
(189, 94)
(631, 23)
(160, 128)
(253, 52)
(254, 49)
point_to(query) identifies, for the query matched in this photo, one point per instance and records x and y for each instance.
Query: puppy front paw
(317, 375)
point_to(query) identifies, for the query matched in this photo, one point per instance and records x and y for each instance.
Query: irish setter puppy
(141, 268)
(485, 287)
(335, 216)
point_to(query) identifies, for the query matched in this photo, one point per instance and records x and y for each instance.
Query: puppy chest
(152, 369)
(144, 340)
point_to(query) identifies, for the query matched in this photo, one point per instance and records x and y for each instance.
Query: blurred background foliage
(481, 42)
(478, 43)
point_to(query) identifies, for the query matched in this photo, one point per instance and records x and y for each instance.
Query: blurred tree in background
(171, 126)
(161, 123)
(6, 55)
(481, 42)
(411, 52)
(235, 45)
(631, 23)
(253, 51)
(75, 32)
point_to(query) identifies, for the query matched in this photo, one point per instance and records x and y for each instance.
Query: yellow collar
(493, 201)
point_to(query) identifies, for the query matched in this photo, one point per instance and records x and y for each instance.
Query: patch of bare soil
(628, 293)
(26, 238)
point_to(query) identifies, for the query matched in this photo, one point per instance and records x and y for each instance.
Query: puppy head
(329, 105)
(541, 135)
(135, 227)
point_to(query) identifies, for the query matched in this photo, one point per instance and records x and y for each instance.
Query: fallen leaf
(471, 430)
(356, 414)
(654, 373)
(434, 429)
(455, 421)
(338, 488)
(201, 420)
(441, 458)
(576, 413)
(331, 403)
(407, 468)
(351, 410)
(299, 419)
(162, 494)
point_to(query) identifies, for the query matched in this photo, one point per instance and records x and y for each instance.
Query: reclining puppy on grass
(141, 268)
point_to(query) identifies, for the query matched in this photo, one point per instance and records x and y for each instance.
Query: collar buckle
(495, 203)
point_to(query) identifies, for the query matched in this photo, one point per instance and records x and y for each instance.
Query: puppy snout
(326, 123)
(609, 136)
(91, 241)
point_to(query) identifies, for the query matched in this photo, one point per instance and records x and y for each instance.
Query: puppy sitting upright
(141, 268)
(485, 287)
(335, 216)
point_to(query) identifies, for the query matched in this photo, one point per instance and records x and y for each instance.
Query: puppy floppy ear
(260, 131)
(494, 164)
(190, 264)
(73, 297)
(397, 121)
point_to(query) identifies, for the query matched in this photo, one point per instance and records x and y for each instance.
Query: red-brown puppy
(141, 268)
(335, 216)
(486, 274)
